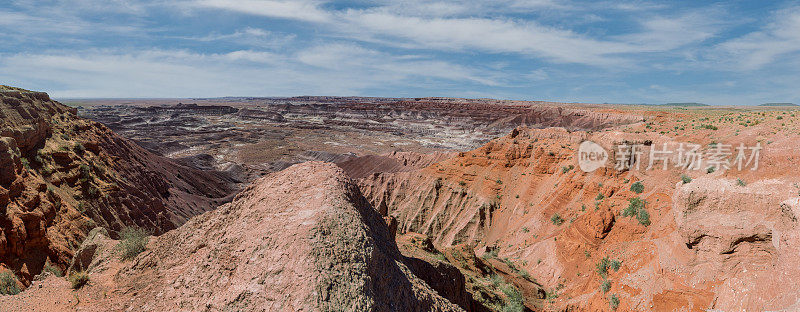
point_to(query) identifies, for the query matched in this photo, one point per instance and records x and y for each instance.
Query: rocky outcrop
(61, 176)
(301, 239)
(97, 245)
(749, 234)
(364, 166)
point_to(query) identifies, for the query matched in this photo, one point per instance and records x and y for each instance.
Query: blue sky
(727, 53)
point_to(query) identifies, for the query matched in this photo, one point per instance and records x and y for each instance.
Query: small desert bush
(685, 179)
(607, 264)
(132, 242)
(711, 169)
(599, 196)
(489, 255)
(79, 279)
(556, 219)
(637, 187)
(515, 302)
(613, 302)
(605, 286)
(637, 208)
(709, 127)
(8, 284)
(79, 148)
(740, 182)
(634, 204)
(52, 269)
(643, 217)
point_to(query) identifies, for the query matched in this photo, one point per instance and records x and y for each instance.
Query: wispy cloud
(327, 69)
(574, 50)
(298, 9)
(777, 39)
(452, 26)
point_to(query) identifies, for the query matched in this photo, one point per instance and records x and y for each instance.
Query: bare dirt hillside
(724, 239)
(303, 239)
(61, 176)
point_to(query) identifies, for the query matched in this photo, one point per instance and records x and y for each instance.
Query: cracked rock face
(748, 234)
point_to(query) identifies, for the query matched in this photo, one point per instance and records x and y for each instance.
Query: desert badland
(433, 204)
(399, 155)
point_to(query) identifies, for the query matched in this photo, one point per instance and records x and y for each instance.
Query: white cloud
(181, 73)
(662, 33)
(298, 9)
(350, 57)
(759, 48)
(485, 35)
(458, 26)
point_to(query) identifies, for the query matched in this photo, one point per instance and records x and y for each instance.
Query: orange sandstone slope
(521, 202)
(303, 239)
(61, 175)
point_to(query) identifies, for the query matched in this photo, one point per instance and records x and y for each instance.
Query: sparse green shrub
(489, 255)
(606, 264)
(52, 269)
(709, 127)
(8, 284)
(711, 169)
(613, 302)
(740, 182)
(643, 217)
(86, 171)
(92, 191)
(25, 163)
(79, 279)
(132, 242)
(556, 219)
(599, 196)
(515, 302)
(79, 148)
(499, 181)
(685, 179)
(566, 169)
(637, 187)
(637, 208)
(605, 286)
(496, 280)
(634, 204)
(524, 274)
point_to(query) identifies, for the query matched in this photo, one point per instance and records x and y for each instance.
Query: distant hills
(687, 104)
(778, 104)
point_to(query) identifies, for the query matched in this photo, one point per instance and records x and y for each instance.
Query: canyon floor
(396, 204)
